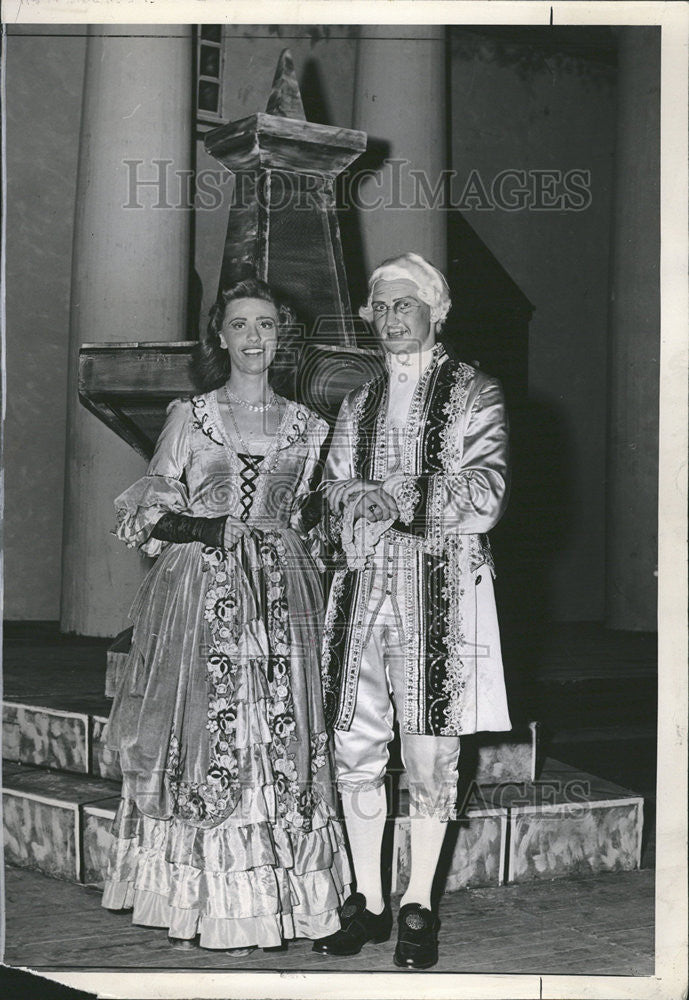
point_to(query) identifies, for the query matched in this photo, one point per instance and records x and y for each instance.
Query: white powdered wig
(431, 285)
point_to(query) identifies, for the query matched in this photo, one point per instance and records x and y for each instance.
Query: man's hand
(376, 505)
(341, 491)
(371, 500)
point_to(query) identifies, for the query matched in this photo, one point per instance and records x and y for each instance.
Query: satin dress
(227, 825)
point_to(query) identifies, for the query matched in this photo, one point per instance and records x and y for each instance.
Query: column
(632, 536)
(399, 99)
(129, 283)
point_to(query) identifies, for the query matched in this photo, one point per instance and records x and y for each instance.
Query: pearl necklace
(254, 407)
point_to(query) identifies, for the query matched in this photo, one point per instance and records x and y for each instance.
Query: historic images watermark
(569, 798)
(156, 184)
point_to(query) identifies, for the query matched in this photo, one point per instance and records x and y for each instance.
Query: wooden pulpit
(282, 228)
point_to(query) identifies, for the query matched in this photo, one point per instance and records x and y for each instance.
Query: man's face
(401, 319)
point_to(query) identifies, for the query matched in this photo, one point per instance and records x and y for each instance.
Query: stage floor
(601, 925)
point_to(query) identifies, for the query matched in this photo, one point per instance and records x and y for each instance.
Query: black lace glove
(183, 528)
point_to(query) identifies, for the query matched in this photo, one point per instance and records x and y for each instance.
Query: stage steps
(57, 739)
(522, 819)
(57, 822)
(567, 823)
(74, 742)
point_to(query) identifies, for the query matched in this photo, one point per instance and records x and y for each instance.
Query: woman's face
(250, 334)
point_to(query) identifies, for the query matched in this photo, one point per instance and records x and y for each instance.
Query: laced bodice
(197, 470)
(248, 479)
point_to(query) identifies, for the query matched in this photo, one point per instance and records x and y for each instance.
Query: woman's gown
(227, 825)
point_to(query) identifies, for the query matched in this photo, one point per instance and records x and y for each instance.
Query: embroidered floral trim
(435, 504)
(380, 454)
(455, 685)
(480, 553)
(415, 696)
(363, 582)
(319, 752)
(407, 497)
(202, 419)
(454, 410)
(281, 708)
(412, 430)
(357, 413)
(334, 525)
(207, 803)
(289, 435)
(451, 452)
(329, 628)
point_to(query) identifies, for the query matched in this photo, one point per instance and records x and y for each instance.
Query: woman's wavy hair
(211, 362)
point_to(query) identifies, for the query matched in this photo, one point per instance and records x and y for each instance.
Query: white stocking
(365, 813)
(427, 835)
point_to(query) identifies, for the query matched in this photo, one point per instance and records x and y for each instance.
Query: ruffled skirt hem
(150, 909)
(229, 899)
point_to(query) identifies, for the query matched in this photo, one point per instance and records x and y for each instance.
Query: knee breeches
(361, 752)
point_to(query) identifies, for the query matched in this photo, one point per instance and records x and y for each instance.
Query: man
(419, 459)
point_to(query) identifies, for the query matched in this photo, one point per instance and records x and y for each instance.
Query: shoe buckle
(414, 921)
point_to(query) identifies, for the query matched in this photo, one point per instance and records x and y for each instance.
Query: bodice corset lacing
(248, 476)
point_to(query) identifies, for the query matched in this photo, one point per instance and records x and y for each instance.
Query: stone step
(571, 823)
(73, 741)
(45, 820)
(61, 740)
(567, 823)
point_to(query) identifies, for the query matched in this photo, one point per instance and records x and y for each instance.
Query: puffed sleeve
(471, 496)
(160, 491)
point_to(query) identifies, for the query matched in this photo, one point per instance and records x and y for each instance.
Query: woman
(226, 829)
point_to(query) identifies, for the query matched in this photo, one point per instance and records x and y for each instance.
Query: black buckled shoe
(359, 926)
(417, 938)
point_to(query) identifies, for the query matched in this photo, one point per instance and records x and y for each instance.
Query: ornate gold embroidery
(357, 413)
(451, 448)
(412, 431)
(407, 497)
(329, 625)
(455, 684)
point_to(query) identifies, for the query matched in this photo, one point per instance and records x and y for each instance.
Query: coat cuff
(405, 491)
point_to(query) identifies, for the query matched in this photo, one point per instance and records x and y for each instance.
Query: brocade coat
(455, 462)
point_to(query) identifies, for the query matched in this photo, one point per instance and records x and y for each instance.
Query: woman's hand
(235, 530)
